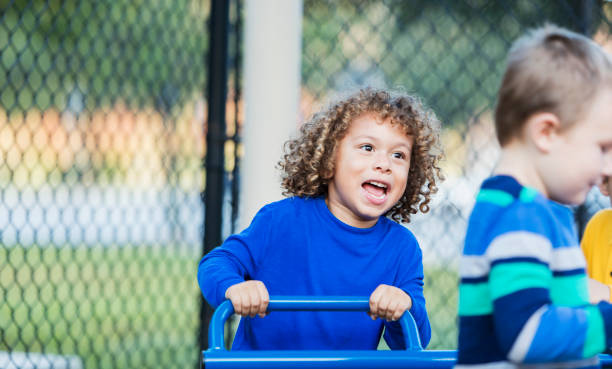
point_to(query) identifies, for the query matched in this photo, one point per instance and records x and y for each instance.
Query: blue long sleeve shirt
(296, 246)
(523, 297)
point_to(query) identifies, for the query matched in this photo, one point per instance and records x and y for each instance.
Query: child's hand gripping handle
(310, 303)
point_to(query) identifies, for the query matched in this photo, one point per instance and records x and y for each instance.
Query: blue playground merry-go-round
(218, 357)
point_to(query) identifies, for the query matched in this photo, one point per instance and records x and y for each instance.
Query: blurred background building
(124, 125)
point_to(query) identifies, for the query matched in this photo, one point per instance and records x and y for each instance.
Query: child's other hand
(389, 303)
(598, 291)
(249, 298)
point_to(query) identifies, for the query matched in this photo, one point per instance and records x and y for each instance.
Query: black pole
(215, 141)
(586, 8)
(237, 96)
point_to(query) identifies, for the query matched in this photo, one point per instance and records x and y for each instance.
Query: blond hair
(550, 69)
(309, 160)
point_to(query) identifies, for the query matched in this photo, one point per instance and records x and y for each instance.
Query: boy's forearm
(225, 266)
(393, 336)
(419, 313)
(550, 333)
(393, 331)
(215, 276)
(213, 290)
(531, 329)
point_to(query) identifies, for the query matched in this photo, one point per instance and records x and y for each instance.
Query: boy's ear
(542, 129)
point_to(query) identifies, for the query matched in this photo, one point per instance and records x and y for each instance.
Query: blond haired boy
(523, 297)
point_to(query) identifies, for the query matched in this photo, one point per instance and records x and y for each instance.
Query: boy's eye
(399, 155)
(366, 147)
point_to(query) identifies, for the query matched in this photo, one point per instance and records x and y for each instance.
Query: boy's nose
(382, 162)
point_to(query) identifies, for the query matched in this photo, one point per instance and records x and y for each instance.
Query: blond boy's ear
(542, 129)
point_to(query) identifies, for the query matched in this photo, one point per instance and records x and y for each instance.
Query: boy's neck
(518, 161)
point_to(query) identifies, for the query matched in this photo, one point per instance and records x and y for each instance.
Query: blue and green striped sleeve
(531, 326)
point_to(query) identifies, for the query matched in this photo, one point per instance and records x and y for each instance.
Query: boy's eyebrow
(365, 137)
(371, 138)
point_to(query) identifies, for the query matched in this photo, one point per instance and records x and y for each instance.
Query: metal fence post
(237, 63)
(215, 140)
(586, 17)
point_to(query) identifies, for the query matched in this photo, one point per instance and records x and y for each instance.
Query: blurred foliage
(451, 53)
(76, 55)
(105, 91)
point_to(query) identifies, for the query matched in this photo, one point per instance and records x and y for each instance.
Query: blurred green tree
(74, 54)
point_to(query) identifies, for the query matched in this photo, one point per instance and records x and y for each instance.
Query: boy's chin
(574, 200)
(369, 216)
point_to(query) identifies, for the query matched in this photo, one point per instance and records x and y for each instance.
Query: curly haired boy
(357, 168)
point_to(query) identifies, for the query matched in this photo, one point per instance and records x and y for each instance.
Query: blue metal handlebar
(217, 357)
(412, 339)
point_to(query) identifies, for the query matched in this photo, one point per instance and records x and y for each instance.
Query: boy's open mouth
(376, 189)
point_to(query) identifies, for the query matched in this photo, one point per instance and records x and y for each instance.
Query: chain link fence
(102, 112)
(101, 148)
(452, 54)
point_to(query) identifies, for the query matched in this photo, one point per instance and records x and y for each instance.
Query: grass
(113, 307)
(441, 296)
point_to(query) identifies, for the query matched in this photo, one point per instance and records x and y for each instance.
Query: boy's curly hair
(308, 162)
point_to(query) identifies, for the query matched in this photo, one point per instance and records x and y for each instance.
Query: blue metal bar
(328, 359)
(217, 357)
(217, 323)
(339, 359)
(412, 340)
(327, 303)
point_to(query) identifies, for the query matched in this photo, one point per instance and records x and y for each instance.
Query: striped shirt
(523, 298)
